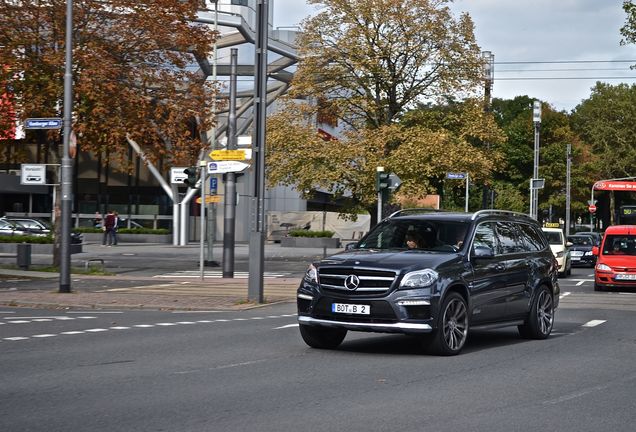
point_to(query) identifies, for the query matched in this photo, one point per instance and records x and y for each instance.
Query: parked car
(8, 228)
(581, 250)
(490, 268)
(616, 259)
(597, 236)
(560, 248)
(39, 228)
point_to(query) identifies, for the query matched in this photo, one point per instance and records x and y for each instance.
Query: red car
(616, 262)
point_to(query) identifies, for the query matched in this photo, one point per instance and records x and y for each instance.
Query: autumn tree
(130, 72)
(363, 65)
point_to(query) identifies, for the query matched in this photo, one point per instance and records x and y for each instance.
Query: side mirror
(595, 250)
(350, 246)
(569, 244)
(483, 252)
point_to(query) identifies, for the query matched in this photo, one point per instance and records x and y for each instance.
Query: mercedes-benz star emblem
(352, 282)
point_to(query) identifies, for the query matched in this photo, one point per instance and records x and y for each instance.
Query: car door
(517, 263)
(489, 285)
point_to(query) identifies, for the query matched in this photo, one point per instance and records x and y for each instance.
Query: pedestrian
(97, 222)
(115, 228)
(109, 228)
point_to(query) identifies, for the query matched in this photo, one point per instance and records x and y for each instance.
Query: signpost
(461, 176)
(222, 167)
(33, 174)
(43, 123)
(229, 155)
(209, 199)
(177, 175)
(592, 208)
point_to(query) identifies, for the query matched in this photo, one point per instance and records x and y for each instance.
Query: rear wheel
(540, 319)
(322, 337)
(452, 326)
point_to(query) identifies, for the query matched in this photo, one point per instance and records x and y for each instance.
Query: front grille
(370, 282)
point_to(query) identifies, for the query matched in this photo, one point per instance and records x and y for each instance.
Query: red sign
(592, 208)
(615, 185)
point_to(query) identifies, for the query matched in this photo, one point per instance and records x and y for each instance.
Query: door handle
(500, 267)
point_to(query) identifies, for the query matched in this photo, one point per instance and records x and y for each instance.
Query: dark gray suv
(436, 275)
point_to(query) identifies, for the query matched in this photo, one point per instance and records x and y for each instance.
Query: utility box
(24, 255)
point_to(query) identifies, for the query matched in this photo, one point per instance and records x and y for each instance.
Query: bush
(25, 239)
(307, 233)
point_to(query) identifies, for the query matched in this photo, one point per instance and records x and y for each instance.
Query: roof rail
(409, 211)
(498, 212)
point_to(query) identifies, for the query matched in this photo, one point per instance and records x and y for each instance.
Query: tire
(598, 288)
(569, 271)
(322, 337)
(540, 319)
(452, 327)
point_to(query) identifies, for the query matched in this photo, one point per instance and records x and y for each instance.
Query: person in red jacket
(110, 224)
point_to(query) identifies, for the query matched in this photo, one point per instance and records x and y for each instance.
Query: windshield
(554, 237)
(581, 240)
(444, 236)
(619, 245)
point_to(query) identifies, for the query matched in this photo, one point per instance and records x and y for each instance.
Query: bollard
(24, 255)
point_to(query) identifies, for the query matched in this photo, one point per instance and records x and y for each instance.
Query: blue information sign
(214, 184)
(456, 176)
(43, 123)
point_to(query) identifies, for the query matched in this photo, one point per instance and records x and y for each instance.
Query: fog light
(413, 303)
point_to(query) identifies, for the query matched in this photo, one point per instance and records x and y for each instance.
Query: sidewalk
(140, 281)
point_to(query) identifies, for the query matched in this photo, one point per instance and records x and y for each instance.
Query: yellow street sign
(210, 199)
(229, 155)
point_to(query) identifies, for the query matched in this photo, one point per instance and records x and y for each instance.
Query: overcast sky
(584, 31)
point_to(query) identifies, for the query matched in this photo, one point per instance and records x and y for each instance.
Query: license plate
(625, 277)
(575, 258)
(355, 309)
(577, 253)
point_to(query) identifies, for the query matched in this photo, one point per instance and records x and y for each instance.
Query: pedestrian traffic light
(191, 181)
(382, 181)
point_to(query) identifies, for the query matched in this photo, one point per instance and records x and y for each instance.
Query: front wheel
(322, 337)
(452, 326)
(540, 320)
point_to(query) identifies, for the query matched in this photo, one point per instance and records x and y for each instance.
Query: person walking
(109, 229)
(115, 228)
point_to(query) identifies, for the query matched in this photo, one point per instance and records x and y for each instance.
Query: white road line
(44, 335)
(166, 324)
(593, 323)
(42, 320)
(86, 317)
(72, 332)
(186, 322)
(100, 312)
(296, 325)
(580, 283)
(119, 328)
(565, 294)
(18, 322)
(144, 325)
(96, 330)
(16, 338)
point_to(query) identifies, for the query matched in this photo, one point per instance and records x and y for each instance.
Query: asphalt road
(242, 371)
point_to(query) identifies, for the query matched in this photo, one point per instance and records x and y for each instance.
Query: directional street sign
(43, 123)
(177, 176)
(231, 155)
(394, 182)
(210, 199)
(455, 176)
(226, 167)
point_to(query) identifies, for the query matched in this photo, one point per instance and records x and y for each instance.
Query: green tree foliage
(130, 72)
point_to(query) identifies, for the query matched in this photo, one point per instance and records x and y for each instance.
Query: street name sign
(33, 174)
(226, 167)
(455, 176)
(43, 123)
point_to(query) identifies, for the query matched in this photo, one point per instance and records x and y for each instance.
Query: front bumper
(608, 280)
(399, 327)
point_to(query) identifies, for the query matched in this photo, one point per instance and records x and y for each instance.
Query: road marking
(142, 326)
(296, 325)
(217, 274)
(580, 283)
(18, 322)
(565, 294)
(593, 323)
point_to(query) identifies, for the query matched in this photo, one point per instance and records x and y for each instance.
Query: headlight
(311, 275)
(603, 267)
(419, 279)
(559, 254)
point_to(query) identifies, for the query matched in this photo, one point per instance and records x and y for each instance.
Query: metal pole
(257, 204)
(568, 167)
(203, 219)
(379, 170)
(212, 206)
(67, 162)
(535, 172)
(229, 220)
(467, 184)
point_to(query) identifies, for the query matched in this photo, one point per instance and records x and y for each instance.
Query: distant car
(616, 259)
(8, 228)
(581, 250)
(559, 247)
(39, 228)
(598, 237)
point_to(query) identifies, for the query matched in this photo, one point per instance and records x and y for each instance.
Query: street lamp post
(534, 193)
(489, 76)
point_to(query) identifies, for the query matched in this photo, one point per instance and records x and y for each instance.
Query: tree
(373, 59)
(366, 63)
(130, 72)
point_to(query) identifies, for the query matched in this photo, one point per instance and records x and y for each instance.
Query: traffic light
(382, 181)
(191, 181)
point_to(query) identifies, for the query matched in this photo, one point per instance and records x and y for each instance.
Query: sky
(577, 39)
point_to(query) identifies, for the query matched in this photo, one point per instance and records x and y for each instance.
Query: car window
(532, 237)
(619, 245)
(437, 235)
(581, 240)
(509, 239)
(554, 237)
(485, 236)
